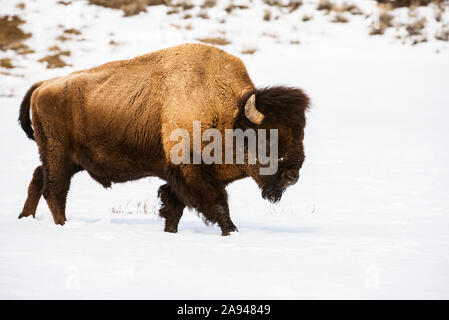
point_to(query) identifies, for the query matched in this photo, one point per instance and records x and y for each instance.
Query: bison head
(281, 108)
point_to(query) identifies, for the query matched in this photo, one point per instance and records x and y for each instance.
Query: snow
(369, 217)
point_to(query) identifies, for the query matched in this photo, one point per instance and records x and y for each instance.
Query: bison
(115, 122)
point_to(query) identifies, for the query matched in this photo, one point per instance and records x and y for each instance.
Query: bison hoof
(24, 214)
(227, 227)
(227, 232)
(171, 229)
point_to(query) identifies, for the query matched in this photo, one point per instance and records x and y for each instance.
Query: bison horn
(253, 115)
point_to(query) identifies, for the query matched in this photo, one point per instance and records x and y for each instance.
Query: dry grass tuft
(267, 15)
(173, 11)
(179, 27)
(203, 15)
(185, 5)
(72, 31)
(416, 41)
(11, 35)
(384, 21)
(376, 31)
(416, 27)
(249, 51)
(21, 48)
(64, 3)
(129, 7)
(140, 207)
(339, 18)
(215, 41)
(406, 3)
(307, 18)
(6, 63)
(347, 7)
(438, 13)
(21, 6)
(328, 6)
(63, 38)
(325, 5)
(292, 5)
(231, 7)
(442, 35)
(209, 4)
(269, 35)
(54, 48)
(54, 60)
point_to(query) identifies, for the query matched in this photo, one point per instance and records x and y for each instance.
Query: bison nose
(290, 177)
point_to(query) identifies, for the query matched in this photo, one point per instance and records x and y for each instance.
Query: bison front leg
(223, 218)
(198, 188)
(171, 208)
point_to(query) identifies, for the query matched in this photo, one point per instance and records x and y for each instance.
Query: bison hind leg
(56, 189)
(171, 208)
(34, 193)
(58, 172)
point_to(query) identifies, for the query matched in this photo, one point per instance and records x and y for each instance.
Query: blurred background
(38, 36)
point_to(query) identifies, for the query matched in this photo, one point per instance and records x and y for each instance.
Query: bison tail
(24, 115)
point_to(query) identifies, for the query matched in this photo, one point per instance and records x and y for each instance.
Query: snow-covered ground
(368, 219)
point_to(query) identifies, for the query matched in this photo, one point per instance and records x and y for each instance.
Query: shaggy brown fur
(115, 121)
(284, 109)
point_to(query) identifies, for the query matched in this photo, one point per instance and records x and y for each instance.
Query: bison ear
(253, 115)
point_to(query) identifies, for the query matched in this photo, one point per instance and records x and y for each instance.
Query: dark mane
(279, 104)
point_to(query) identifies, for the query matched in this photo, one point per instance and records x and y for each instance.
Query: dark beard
(272, 193)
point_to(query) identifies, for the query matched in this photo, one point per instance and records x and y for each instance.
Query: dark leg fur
(198, 188)
(171, 208)
(224, 219)
(58, 171)
(34, 193)
(59, 174)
